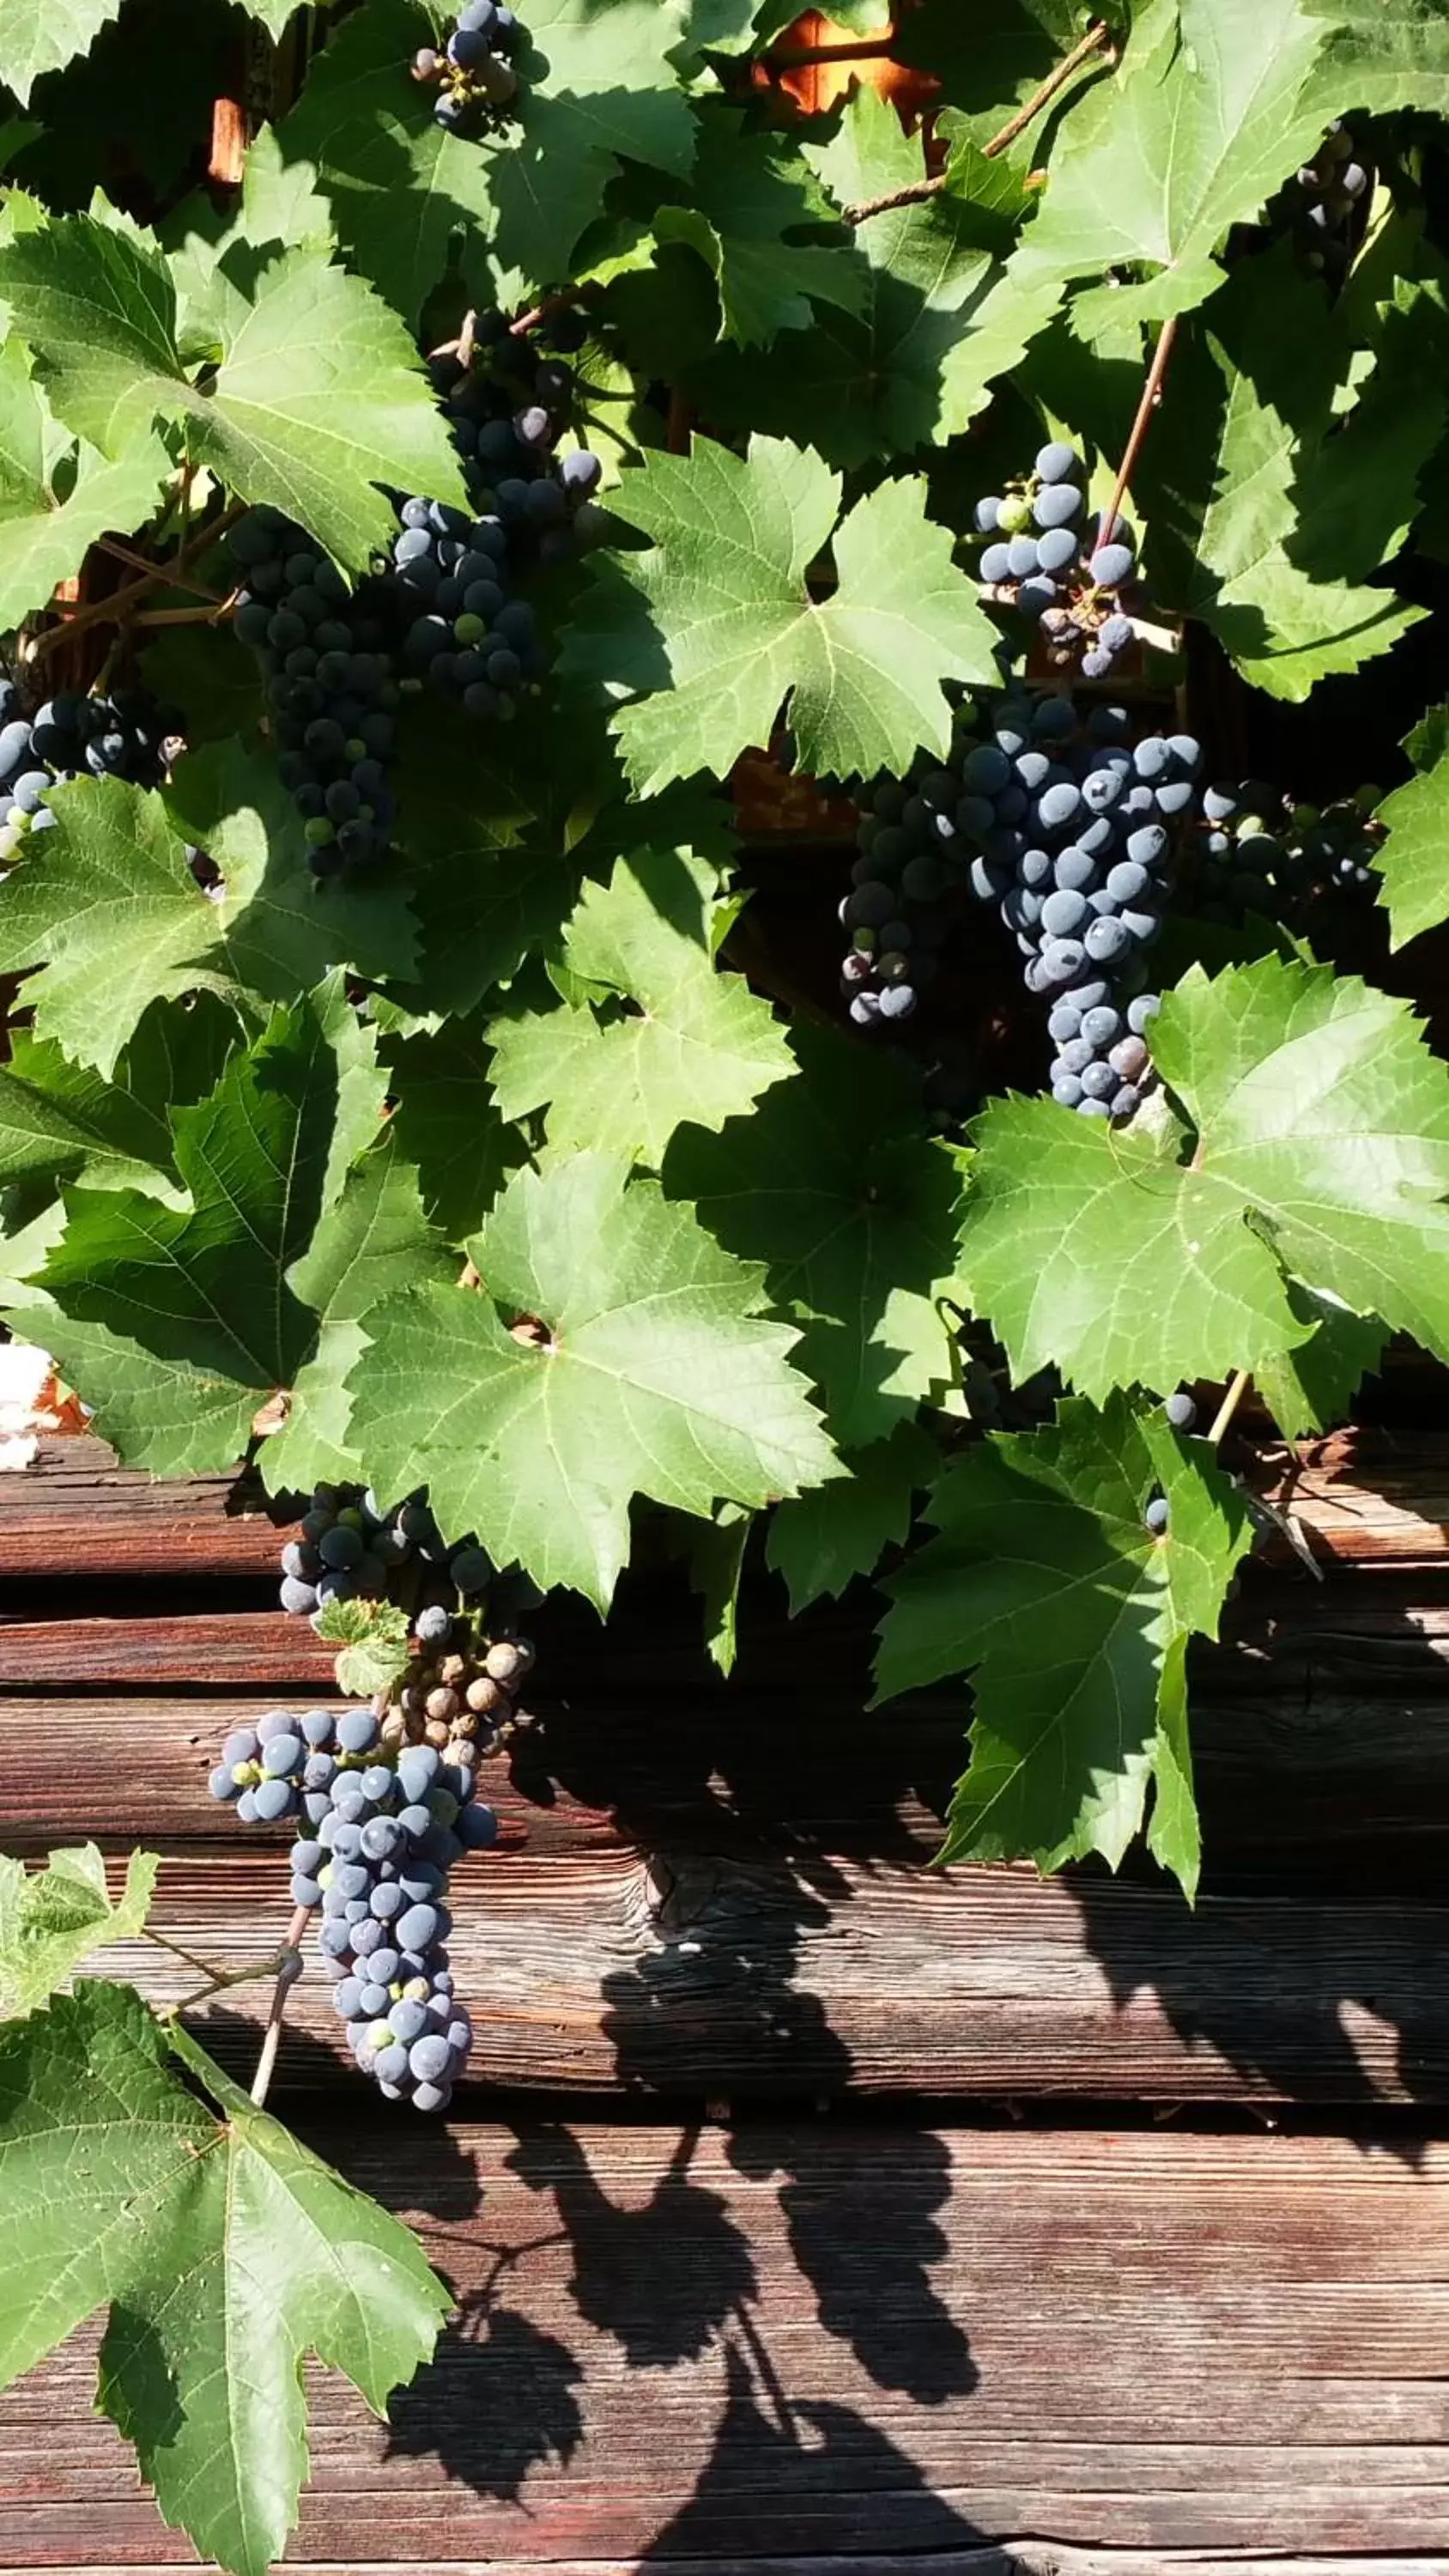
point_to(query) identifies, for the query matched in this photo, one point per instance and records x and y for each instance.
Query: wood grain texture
(791, 1979)
(78, 1513)
(261, 1650)
(1368, 1498)
(818, 2343)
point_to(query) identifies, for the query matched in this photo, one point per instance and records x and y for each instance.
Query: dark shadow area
(814, 2478)
(661, 2279)
(497, 2400)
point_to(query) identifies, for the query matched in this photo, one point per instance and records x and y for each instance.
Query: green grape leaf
(63, 1120)
(486, 890)
(180, 1323)
(1210, 108)
(208, 672)
(56, 498)
(373, 1639)
(39, 36)
(698, 1045)
(1310, 1388)
(448, 1122)
(1044, 1583)
(854, 1212)
(1269, 509)
(1396, 56)
(317, 400)
(372, 1242)
(1313, 1139)
(399, 188)
(224, 2250)
(749, 194)
(939, 316)
(51, 1919)
(716, 626)
(596, 88)
(281, 929)
(822, 1540)
(646, 1368)
(990, 66)
(715, 1555)
(108, 910)
(1411, 859)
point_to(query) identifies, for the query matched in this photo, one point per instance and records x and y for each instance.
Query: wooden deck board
(815, 2341)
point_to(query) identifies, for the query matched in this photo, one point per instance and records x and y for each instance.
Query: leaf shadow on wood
(812, 2476)
(498, 2399)
(661, 2278)
(715, 2005)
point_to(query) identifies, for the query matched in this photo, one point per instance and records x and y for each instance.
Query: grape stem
(1151, 395)
(112, 608)
(1238, 1386)
(1095, 40)
(288, 1971)
(138, 563)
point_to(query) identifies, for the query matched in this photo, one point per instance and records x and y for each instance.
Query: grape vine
(685, 876)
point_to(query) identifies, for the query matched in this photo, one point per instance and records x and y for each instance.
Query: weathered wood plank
(77, 1513)
(260, 1649)
(855, 2345)
(772, 1978)
(1362, 1498)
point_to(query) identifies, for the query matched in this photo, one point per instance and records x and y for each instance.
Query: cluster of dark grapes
(475, 76)
(1075, 829)
(327, 653)
(350, 1545)
(1252, 851)
(466, 631)
(1334, 184)
(1070, 831)
(126, 735)
(1059, 564)
(383, 1826)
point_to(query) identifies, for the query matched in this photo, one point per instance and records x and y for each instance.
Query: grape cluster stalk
(1061, 565)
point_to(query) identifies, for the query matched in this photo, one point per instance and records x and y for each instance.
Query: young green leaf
(317, 400)
(373, 1640)
(855, 1213)
(1313, 1139)
(51, 1919)
(1046, 1585)
(642, 1366)
(224, 2250)
(106, 906)
(822, 1540)
(595, 87)
(699, 1045)
(717, 626)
